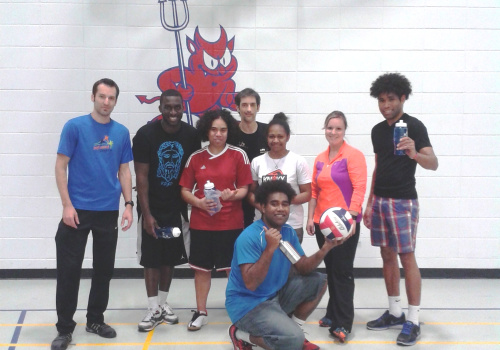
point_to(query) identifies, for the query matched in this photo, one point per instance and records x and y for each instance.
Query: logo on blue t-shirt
(169, 162)
(103, 145)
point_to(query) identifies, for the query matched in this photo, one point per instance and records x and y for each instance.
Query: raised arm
(426, 158)
(254, 274)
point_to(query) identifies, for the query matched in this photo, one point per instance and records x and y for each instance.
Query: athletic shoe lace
(407, 328)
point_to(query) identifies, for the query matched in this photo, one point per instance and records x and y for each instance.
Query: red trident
(176, 27)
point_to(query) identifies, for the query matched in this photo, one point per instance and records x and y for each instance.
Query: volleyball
(335, 223)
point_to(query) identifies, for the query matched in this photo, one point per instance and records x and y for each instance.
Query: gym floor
(455, 314)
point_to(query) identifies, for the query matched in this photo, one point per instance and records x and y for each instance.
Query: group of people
(261, 186)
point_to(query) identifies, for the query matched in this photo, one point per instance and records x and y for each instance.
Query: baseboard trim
(184, 272)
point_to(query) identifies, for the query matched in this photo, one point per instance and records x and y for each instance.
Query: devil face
(213, 58)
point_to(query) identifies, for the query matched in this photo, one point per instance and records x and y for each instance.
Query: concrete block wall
(306, 58)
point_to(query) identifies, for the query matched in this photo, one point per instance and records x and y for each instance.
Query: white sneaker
(168, 314)
(153, 318)
(199, 320)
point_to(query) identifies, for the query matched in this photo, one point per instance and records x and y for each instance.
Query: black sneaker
(101, 329)
(61, 342)
(409, 335)
(386, 321)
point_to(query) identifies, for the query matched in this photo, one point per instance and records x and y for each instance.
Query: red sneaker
(309, 346)
(238, 344)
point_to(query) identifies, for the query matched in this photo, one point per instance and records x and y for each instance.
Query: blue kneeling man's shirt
(247, 250)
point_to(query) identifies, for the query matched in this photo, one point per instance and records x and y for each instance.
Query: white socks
(243, 336)
(395, 306)
(299, 321)
(153, 303)
(396, 310)
(162, 297)
(413, 312)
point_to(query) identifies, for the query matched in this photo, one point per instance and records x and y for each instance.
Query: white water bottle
(212, 194)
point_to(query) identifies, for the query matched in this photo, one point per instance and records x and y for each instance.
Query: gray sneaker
(152, 319)
(101, 329)
(168, 314)
(61, 342)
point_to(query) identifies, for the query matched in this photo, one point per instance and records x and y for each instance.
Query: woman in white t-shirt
(281, 164)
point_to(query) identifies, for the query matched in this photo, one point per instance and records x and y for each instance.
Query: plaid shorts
(394, 223)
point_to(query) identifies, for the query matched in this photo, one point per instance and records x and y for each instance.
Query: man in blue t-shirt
(262, 291)
(92, 169)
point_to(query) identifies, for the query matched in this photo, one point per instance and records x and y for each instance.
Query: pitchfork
(176, 28)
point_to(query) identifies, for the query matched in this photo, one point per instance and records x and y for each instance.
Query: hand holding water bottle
(212, 198)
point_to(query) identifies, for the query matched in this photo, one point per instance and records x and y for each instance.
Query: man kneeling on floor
(267, 299)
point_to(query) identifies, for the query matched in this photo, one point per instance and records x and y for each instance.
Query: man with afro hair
(392, 208)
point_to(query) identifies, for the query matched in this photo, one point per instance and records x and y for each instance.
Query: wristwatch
(129, 202)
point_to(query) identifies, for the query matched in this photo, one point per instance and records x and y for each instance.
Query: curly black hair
(265, 189)
(391, 83)
(205, 123)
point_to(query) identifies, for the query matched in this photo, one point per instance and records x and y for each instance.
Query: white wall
(306, 58)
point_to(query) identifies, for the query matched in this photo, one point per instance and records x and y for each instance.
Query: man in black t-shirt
(392, 208)
(161, 149)
(251, 136)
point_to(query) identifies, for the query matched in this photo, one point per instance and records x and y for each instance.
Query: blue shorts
(270, 319)
(394, 223)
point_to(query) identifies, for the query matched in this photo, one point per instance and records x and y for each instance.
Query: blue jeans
(270, 319)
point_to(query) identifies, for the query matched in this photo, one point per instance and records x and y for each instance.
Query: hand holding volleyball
(335, 223)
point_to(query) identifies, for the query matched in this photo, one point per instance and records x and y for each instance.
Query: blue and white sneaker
(386, 321)
(409, 335)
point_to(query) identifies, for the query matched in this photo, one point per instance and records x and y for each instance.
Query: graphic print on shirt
(169, 162)
(274, 175)
(104, 144)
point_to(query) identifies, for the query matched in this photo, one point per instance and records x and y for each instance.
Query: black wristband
(129, 202)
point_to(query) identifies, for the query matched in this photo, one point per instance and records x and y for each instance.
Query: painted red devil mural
(208, 76)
